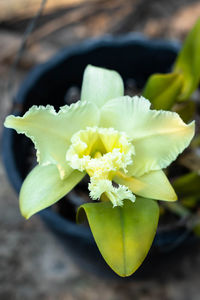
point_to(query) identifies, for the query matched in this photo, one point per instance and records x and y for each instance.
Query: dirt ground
(32, 264)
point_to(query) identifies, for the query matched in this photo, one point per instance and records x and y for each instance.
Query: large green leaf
(123, 234)
(100, 85)
(188, 62)
(43, 187)
(163, 90)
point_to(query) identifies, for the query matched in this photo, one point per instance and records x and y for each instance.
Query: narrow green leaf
(188, 62)
(43, 187)
(163, 90)
(100, 85)
(123, 234)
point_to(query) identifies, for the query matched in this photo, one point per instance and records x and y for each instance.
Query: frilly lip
(101, 152)
(115, 194)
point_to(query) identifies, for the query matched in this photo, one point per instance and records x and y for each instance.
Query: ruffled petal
(51, 132)
(158, 136)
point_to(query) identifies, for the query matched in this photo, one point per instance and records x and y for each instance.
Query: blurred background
(32, 264)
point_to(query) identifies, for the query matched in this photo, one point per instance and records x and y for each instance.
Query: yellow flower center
(101, 152)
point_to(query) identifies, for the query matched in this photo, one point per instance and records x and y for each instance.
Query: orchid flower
(114, 139)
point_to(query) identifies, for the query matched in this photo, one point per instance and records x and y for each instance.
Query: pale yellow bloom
(111, 137)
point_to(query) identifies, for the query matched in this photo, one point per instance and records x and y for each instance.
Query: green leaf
(100, 85)
(43, 187)
(123, 234)
(188, 185)
(163, 90)
(188, 62)
(190, 201)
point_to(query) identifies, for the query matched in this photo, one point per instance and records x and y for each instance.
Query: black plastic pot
(134, 57)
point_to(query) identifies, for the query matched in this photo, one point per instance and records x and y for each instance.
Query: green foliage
(186, 110)
(188, 191)
(163, 89)
(123, 234)
(188, 185)
(188, 63)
